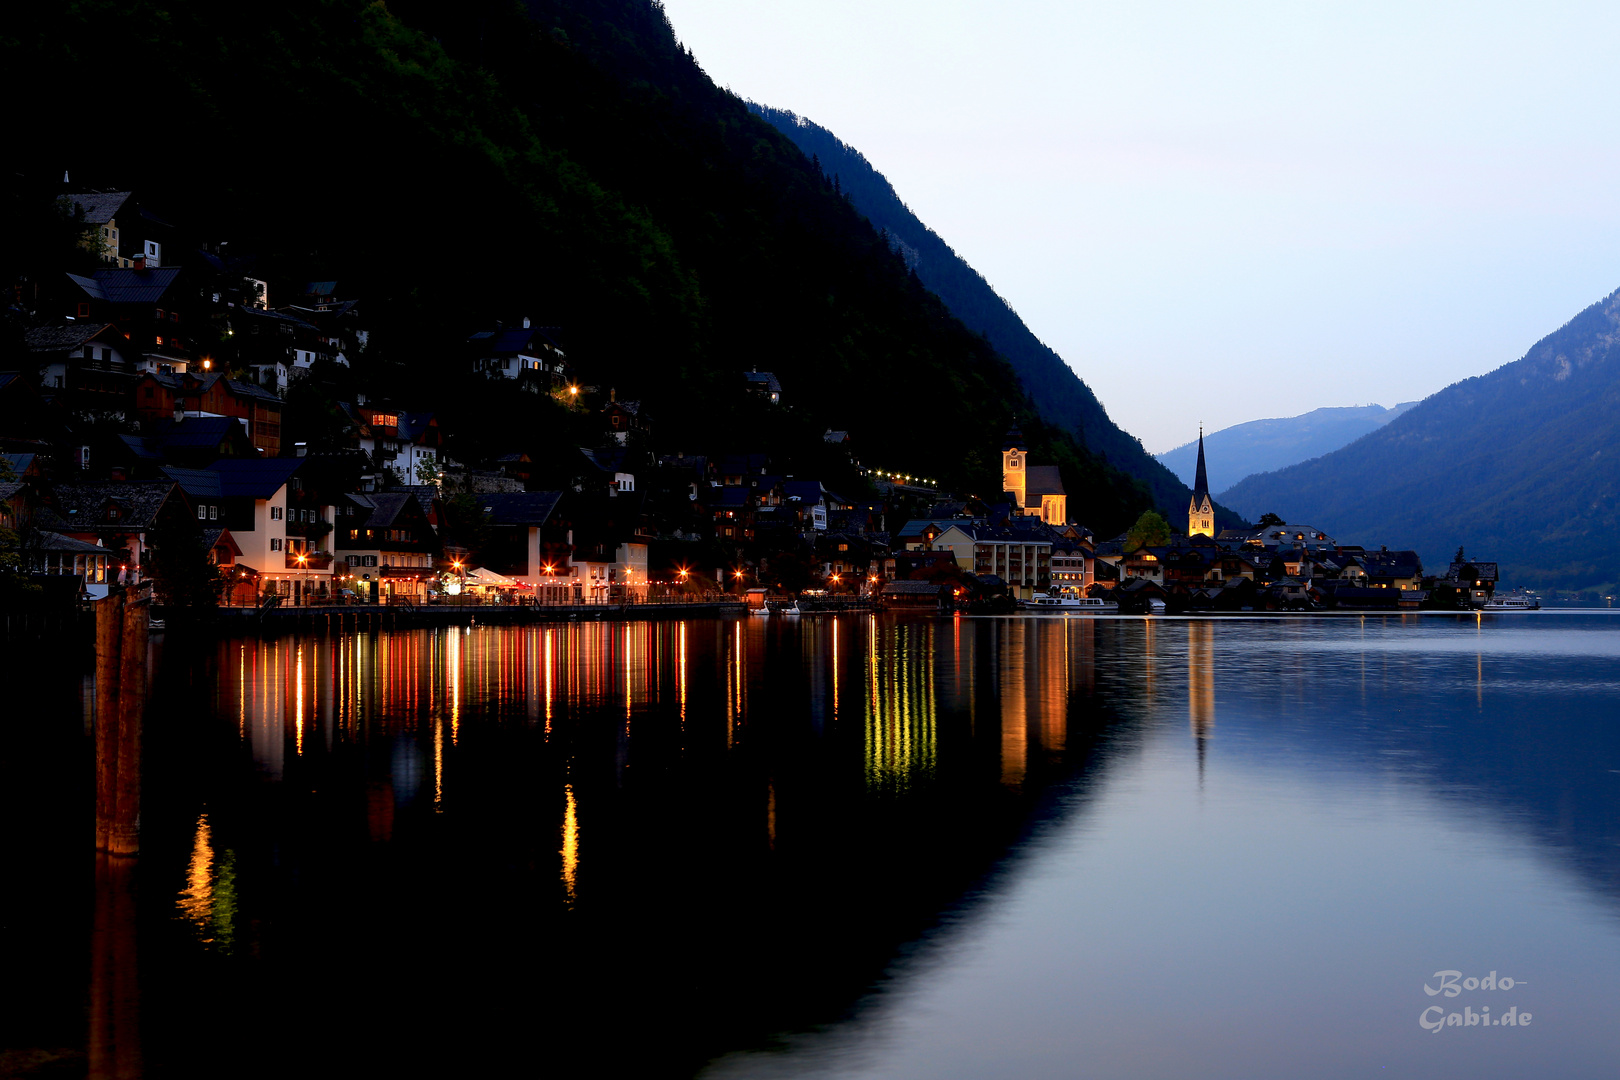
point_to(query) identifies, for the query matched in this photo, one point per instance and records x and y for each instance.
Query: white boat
(1512, 603)
(1071, 605)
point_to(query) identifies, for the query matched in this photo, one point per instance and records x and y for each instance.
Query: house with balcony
(122, 517)
(387, 547)
(165, 397)
(532, 356)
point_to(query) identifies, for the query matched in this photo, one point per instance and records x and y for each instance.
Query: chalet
(193, 442)
(281, 530)
(386, 545)
(159, 397)
(275, 346)
(529, 542)
(1307, 537)
(624, 419)
(410, 443)
(152, 308)
(124, 233)
(531, 355)
(611, 470)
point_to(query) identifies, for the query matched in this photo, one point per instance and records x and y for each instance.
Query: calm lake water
(863, 847)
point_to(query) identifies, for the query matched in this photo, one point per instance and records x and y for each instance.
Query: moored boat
(1512, 602)
(1071, 605)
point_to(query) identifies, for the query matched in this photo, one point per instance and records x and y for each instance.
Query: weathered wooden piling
(122, 622)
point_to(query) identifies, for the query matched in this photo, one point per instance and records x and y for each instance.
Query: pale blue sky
(1225, 212)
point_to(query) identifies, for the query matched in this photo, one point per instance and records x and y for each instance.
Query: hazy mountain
(1266, 445)
(1064, 400)
(1521, 465)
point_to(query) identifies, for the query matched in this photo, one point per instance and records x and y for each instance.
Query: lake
(856, 847)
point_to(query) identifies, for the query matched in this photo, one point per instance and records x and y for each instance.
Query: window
(275, 544)
(160, 314)
(213, 513)
(275, 513)
(370, 560)
(89, 352)
(353, 560)
(84, 311)
(202, 513)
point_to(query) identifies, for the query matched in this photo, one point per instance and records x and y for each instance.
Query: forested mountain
(562, 159)
(1521, 466)
(1064, 400)
(1267, 445)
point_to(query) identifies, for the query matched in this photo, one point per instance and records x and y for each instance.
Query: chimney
(613, 395)
(179, 410)
(525, 322)
(140, 261)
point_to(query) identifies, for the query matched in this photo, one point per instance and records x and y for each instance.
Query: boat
(1071, 605)
(782, 607)
(1512, 602)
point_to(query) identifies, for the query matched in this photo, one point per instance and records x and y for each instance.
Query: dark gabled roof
(385, 506)
(52, 541)
(1042, 480)
(805, 491)
(763, 380)
(424, 495)
(530, 508)
(63, 337)
(735, 495)
(274, 316)
(212, 538)
(80, 506)
(128, 286)
(236, 478)
(631, 407)
(199, 432)
(529, 341)
(99, 207)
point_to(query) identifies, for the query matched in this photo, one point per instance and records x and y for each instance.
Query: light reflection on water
(968, 847)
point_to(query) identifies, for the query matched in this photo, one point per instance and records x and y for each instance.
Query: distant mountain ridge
(1268, 445)
(1521, 465)
(1062, 397)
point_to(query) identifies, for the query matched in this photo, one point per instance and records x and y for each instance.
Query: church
(1036, 490)
(1201, 511)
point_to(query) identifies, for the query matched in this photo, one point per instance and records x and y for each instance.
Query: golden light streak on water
(902, 720)
(627, 671)
(438, 765)
(548, 680)
(835, 669)
(770, 813)
(452, 661)
(298, 700)
(681, 674)
(196, 901)
(570, 845)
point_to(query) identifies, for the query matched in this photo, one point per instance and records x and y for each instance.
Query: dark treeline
(569, 161)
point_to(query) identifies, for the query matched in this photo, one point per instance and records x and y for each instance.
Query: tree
(1150, 530)
(1268, 520)
(179, 567)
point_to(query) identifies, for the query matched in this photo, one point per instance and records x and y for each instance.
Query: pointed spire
(1201, 483)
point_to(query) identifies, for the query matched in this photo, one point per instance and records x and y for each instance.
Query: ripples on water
(875, 846)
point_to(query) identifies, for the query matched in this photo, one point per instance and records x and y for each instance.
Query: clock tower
(1015, 466)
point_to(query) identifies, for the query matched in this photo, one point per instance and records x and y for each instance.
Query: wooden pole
(122, 621)
(109, 647)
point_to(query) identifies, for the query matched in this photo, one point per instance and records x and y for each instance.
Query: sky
(1219, 213)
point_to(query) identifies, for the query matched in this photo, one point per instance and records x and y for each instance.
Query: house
(624, 419)
(192, 441)
(916, 594)
(120, 516)
(1018, 551)
(1304, 536)
(124, 232)
(410, 443)
(151, 307)
(159, 397)
(531, 355)
(764, 384)
(69, 353)
(1385, 569)
(735, 469)
(276, 347)
(1073, 565)
(386, 547)
(282, 530)
(1475, 579)
(611, 467)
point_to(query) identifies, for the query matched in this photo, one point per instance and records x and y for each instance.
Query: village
(147, 440)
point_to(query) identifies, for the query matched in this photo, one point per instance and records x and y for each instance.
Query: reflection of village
(918, 696)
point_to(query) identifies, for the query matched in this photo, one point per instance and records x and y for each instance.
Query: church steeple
(1201, 511)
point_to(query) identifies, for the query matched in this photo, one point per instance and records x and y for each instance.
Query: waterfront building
(1036, 490)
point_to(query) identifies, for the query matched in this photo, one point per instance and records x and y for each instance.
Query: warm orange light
(739, 574)
(207, 364)
(573, 389)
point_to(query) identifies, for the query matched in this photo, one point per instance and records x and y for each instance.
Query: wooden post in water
(121, 638)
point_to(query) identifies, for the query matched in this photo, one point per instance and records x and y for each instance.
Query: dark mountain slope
(564, 159)
(1521, 465)
(1267, 445)
(1064, 400)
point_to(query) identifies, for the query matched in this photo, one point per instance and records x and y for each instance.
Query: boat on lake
(1512, 602)
(1071, 605)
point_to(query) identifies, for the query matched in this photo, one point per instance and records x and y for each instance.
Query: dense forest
(1518, 465)
(1063, 398)
(566, 160)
